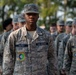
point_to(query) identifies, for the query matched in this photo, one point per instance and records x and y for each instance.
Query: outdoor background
(50, 10)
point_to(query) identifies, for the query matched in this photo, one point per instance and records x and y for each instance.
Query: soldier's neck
(31, 27)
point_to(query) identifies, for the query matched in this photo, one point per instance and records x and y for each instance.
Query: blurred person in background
(7, 26)
(69, 63)
(53, 28)
(59, 38)
(12, 25)
(63, 36)
(15, 22)
(21, 20)
(15, 26)
(60, 28)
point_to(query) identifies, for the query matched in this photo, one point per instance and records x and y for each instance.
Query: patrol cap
(61, 22)
(21, 18)
(31, 8)
(68, 23)
(74, 22)
(15, 18)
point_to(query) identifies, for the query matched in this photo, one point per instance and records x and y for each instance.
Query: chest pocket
(42, 45)
(21, 47)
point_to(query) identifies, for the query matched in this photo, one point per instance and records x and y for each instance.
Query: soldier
(7, 25)
(21, 21)
(30, 48)
(53, 28)
(60, 37)
(63, 44)
(69, 64)
(60, 29)
(15, 27)
(9, 29)
(15, 22)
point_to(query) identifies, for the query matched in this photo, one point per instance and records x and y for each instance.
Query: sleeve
(1, 52)
(67, 57)
(8, 57)
(52, 59)
(2, 45)
(61, 54)
(56, 44)
(0, 57)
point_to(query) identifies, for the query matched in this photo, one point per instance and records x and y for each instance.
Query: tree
(48, 9)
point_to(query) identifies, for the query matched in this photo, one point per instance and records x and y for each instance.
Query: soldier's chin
(61, 31)
(32, 22)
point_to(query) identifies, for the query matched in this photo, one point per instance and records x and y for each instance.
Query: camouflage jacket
(2, 45)
(69, 64)
(58, 40)
(62, 50)
(0, 52)
(26, 56)
(54, 35)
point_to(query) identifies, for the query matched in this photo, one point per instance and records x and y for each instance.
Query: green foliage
(48, 8)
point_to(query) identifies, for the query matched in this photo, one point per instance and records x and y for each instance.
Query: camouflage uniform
(26, 56)
(4, 39)
(63, 45)
(0, 53)
(6, 34)
(55, 35)
(62, 50)
(69, 64)
(58, 40)
(2, 44)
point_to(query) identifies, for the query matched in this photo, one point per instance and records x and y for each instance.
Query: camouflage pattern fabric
(62, 50)
(26, 56)
(69, 64)
(58, 40)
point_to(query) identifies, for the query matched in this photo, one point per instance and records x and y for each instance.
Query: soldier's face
(52, 29)
(74, 29)
(31, 18)
(21, 24)
(68, 28)
(15, 26)
(60, 28)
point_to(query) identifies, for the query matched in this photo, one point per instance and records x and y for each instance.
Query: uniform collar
(37, 33)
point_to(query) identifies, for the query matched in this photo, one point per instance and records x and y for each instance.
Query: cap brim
(31, 12)
(22, 21)
(15, 22)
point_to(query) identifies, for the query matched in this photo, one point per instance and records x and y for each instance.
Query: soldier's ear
(23, 14)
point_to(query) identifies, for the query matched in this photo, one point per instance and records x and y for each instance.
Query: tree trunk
(3, 13)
